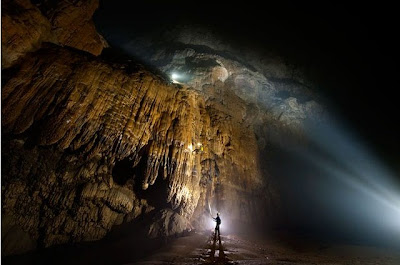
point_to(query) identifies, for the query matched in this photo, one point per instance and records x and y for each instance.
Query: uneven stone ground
(201, 248)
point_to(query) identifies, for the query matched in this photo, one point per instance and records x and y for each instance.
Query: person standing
(218, 221)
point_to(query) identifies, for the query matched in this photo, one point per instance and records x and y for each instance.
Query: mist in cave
(128, 127)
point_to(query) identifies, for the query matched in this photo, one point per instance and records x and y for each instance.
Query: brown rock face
(25, 27)
(88, 145)
(72, 24)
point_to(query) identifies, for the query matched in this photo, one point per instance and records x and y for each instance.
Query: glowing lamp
(175, 77)
(190, 147)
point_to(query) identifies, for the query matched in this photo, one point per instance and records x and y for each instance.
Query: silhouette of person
(218, 221)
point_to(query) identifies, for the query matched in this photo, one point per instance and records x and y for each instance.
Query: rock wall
(72, 24)
(24, 27)
(88, 145)
(278, 96)
(260, 90)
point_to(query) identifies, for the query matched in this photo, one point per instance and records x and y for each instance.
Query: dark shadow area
(127, 172)
(124, 244)
(8, 73)
(129, 62)
(123, 171)
(156, 194)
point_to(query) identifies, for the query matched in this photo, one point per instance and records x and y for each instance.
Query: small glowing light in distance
(190, 147)
(175, 76)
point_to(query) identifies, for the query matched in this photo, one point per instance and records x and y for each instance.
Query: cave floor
(201, 248)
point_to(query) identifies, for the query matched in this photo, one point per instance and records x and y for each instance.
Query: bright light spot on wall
(175, 77)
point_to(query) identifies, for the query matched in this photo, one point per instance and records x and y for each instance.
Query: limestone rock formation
(277, 95)
(25, 27)
(89, 145)
(72, 24)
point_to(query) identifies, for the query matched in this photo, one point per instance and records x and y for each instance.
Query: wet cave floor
(206, 248)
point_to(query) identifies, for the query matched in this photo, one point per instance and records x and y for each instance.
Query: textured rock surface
(72, 24)
(25, 27)
(89, 145)
(277, 95)
(267, 94)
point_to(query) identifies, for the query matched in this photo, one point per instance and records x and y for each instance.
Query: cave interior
(127, 127)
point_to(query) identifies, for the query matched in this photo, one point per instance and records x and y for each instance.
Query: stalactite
(72, 122)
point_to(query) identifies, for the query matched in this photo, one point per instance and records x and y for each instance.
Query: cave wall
(26, 26)
(277, 91)
(71, 122)
(89, 144)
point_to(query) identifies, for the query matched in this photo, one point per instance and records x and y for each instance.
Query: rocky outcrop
(89, 146)
(72, 24)
(25, 27)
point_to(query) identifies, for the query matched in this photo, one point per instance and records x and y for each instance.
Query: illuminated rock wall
(88, 145)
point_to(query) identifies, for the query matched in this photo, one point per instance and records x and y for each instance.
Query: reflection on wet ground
(206, 248)
(209, 248)
(216, 252)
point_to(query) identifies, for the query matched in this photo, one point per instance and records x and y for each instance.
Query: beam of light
(361, 180)
(211, 222)
(365, 171)
(352, 187)
(356, 181)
